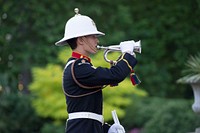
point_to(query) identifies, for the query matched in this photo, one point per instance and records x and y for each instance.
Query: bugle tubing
(137, 48)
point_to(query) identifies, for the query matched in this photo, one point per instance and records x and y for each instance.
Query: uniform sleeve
(88, 75)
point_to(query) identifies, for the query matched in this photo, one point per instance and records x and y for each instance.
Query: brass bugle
(137, 48)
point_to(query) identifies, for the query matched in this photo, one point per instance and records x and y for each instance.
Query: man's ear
(80, 41)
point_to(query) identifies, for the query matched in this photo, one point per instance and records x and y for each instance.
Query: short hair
(72, 43)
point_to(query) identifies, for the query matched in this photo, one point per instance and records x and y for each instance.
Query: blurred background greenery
(31, 98)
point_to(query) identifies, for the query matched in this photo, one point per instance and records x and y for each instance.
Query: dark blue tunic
(84, 93)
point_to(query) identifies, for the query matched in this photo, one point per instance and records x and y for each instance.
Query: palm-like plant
(192, 77)
(192, 70)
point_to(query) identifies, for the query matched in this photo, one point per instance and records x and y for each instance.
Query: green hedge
(140, 111)
(53, 128)
(174, 117)
(157, 115)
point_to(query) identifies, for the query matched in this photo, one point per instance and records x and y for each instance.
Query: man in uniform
(83, 83)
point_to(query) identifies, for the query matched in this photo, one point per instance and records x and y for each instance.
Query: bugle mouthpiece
(98, 47)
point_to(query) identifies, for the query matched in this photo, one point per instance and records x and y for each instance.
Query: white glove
(115, 127)
(127, 47)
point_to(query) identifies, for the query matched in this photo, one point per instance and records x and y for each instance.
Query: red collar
(78, 55)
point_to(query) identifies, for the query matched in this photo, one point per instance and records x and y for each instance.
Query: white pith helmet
(77, 26)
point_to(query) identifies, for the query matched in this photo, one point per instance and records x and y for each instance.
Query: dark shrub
(17, 114)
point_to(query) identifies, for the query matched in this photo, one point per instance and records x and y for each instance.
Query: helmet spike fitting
(76, 10)
(77, 26)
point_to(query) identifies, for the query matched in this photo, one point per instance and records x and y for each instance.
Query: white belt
(87, 115)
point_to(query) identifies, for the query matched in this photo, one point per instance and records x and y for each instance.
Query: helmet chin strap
(90, 45)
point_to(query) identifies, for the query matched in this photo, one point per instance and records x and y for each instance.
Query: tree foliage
(46, 87)
(168, 31)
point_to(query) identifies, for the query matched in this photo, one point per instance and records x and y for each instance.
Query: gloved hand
(115, 127)
(127, 47)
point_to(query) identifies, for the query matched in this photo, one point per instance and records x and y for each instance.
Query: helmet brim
(63, 41)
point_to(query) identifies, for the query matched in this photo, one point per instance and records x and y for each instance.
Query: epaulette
(82, 61)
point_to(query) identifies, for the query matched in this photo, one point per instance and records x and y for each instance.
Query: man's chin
(94, 51)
